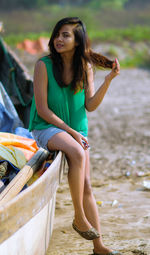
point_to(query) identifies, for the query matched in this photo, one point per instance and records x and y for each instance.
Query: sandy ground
(119, 136)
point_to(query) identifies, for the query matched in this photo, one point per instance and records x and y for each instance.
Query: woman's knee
(73, 150)
(76, 154)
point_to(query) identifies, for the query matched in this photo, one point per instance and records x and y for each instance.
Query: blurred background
(117, 28)
(119, 133)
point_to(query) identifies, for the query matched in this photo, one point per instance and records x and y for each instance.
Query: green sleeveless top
(63, 102)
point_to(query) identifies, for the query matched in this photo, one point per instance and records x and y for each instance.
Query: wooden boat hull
(26, 222)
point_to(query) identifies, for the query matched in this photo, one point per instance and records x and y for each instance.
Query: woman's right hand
(80, 139)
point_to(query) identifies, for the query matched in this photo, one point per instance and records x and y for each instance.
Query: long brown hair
(83, 54)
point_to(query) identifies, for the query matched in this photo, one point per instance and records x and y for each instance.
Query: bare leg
(76, 160)
(91, 210)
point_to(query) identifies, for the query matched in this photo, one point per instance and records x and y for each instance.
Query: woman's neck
(67, 59)
(67, 74)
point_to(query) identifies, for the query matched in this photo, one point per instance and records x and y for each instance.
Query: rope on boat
(12, 75)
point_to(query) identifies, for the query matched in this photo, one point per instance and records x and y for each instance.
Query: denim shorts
(43, 136)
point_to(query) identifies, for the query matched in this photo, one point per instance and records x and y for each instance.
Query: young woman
(63, 91)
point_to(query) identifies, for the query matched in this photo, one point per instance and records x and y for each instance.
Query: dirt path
(119, 136)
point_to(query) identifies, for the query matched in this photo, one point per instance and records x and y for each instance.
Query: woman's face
(64, 42)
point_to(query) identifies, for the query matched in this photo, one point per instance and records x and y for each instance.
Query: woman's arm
(40, 93)
(93, 99)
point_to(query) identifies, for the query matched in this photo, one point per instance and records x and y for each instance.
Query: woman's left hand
(115, 70)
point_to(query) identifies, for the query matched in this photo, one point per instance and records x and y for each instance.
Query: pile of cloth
(17, 145)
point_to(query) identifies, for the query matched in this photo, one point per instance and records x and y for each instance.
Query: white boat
(26, 221)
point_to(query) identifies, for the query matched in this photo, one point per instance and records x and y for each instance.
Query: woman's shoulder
(89, 70)
(89, 67)
(46, 59)
(43, 63)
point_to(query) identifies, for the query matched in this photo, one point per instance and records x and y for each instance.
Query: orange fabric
(26, 145)
(34, 47)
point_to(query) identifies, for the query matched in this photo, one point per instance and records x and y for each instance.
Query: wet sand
(119, 136)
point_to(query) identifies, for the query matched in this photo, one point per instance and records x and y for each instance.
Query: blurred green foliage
(113, 4)
(118, 36)
(140, 58)
(104, 4)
